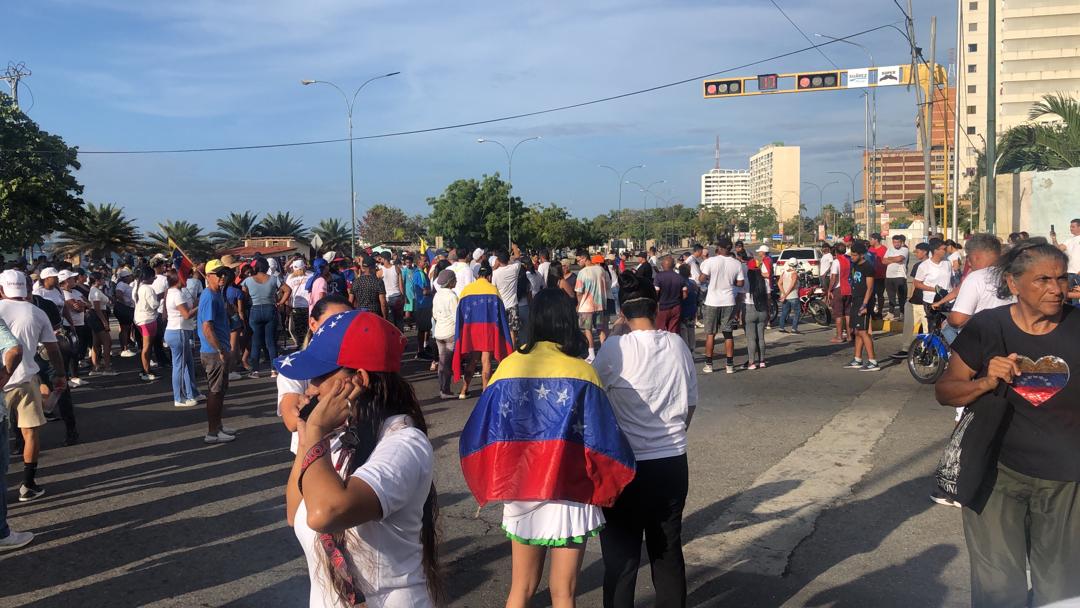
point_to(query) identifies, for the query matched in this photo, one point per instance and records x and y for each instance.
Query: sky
(114, 75)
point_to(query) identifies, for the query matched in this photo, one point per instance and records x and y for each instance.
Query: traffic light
(720, 88)
(818, 80)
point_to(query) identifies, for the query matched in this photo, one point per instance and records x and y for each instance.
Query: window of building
(971, 130)
(973, 27)
(973, 6)
(971, 109)
(971, 68)
(973, 48)
(971, 89)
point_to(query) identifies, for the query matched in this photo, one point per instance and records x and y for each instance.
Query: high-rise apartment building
(725, 189)
(1038, 53)
(774, 179)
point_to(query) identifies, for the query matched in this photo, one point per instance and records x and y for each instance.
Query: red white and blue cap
(353, 339)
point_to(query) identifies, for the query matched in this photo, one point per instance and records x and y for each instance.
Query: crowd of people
(585, 362)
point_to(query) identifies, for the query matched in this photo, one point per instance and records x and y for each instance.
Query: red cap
(354, 339)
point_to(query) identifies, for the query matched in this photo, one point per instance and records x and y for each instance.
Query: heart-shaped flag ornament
(1040, 380)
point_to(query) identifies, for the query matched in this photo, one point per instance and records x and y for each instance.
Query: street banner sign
(821, 232)
(858, 78)
(888, 76)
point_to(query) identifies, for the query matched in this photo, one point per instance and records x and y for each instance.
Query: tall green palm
(187, 235)
(335, 234)
(234, 228)
(282, 223)
(102, 231)
(1041, 146)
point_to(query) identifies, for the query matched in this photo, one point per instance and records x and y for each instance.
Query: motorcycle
(812, 299)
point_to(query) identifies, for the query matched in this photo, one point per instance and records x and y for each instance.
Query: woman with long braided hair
(360, 495)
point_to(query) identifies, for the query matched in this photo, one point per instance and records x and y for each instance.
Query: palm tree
(233, 229)
(283, 224)
(1043, 146)
(186, 235)
(335, 234)
(102, 231)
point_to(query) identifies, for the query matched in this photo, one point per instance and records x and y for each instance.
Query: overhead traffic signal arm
(804, 82)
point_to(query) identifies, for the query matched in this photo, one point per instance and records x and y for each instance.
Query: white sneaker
(76, 381)
(234, 376)
(15, 540)
(219, 438)
(707, 369)
(729, 369)
(127, 354)
(108, 372)
(153, 364)
(147, 377)
(227, 430)
(186, 403)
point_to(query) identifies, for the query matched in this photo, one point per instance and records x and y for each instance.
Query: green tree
(1043, 146)
(383, 223)
(282, 223)
(102, 231)
(552, 226)
(186, 235)
(334, 233)
(38, 192)
(917, 205)
(471, 213)
(234, 228)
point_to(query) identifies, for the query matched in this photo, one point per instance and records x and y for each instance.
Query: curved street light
(349, 105)
(645, 192)
(821, 193)
(622, 177)
(509, 182)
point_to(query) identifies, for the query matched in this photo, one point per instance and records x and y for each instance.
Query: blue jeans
(788, 307)
(263, 321)
(183, 364)
(5, 457)
(949, 333)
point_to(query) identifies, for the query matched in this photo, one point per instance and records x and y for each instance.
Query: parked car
(806, 255)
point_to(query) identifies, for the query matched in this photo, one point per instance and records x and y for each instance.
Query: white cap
(763, 249)
(48, 272)
(329, 256)
(123, 273)
(64, 275)
(477, 254)
(13, 283)
(298, 265)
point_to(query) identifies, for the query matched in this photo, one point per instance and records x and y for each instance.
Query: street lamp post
(821, 191)
(622, 177)
(509, 183)
(852, 178)
(349, 105)
(645, 192)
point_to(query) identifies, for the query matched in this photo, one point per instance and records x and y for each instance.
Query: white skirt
(553, 523)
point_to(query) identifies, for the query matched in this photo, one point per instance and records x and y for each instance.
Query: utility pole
(956, 123)
(12, 75)
(928, 139)
(990, 152)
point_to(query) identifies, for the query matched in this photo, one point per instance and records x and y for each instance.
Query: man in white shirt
(30, 326)
(462, 273)
(697, 255)
(896, 257)
(544, 256)
(504, 276)
(161, 287)
(1071, 247)
(979, 290)
(825, 265)
(934, 273)
(725, 275)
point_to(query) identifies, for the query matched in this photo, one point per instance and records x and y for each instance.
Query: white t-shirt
(978, 292)
(722, 273)
(444, 314)
(464, 276)
(174, 320)
(386, 553)
(30, 326)
(542, 270)
(789, 279)
(299, 293)
(146, 304)
(896, 270)
(650, 380)
(936, 275)
(825, 266)
(695, 268)
(288, 386)
(505, 279)
(1072, 249)
(123, 293)
(78, 318)
(161, 285)
(96, 296)
(54, 295)
(390, 276)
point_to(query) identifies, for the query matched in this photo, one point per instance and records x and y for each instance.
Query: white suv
(805, 255)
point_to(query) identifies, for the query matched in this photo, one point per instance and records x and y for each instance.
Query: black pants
(652, 505)
(877, 301)
(163, 358)
(64, 403)
(897, 290)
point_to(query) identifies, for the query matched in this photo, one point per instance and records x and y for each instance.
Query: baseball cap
(157, 259)
(123, 273)
(444, 277)
(355, 339)
(48, 272)
(13, 283)
(64, 275)
(215, 267)
(298, 265)
(597, 259)
(763, 249)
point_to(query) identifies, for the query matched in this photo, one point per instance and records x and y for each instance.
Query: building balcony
(1020, 33)
(1054, 9)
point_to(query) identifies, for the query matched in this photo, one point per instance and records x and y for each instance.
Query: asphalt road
(808, 487)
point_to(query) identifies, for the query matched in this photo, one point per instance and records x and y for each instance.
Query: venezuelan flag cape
(481, 324)
(544, 430)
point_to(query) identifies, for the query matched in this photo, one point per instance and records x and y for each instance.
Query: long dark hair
(388, 394)
(637, 296)
(755, 286)
(554, 275)
(553, 318)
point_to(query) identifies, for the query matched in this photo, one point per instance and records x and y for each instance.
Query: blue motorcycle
(928, 355)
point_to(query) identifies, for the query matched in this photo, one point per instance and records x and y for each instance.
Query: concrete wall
(1033, 200)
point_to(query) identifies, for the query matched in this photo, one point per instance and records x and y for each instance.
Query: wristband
(316, 452)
